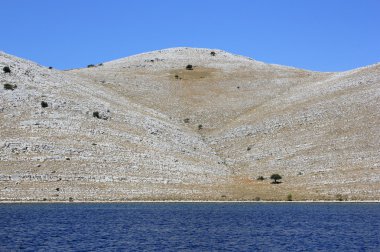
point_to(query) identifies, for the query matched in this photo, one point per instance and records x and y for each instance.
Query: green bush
(44, 104)
(289, 197)
(6, 69)
(340, 197)
(8, 86)
(96, 114)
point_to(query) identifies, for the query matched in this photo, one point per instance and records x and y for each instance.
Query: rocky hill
(187, 124)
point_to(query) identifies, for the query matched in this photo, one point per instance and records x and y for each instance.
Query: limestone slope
(62, 150)
(188, 123)
(324, 137)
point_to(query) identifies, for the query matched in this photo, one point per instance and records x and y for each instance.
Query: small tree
(6, 69)
(275, 177)
(212, 53)
(189, 67)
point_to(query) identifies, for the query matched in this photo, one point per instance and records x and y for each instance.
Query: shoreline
(186, 201)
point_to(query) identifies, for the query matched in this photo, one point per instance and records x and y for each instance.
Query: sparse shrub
(96, 114)
(91, 65)
(186, 120)
(275, 177)
(257, 198)
(248, 148)
(50, 67)
(57, 189)
(8, 86)
(238, 87)
(212, 53)
(289, 197)
(260, 178)
(176, 76)
(44, 104)
(6, 69)
(71, 199)
(200, 126)
(340, 197)
(189, 67)
(101, 64)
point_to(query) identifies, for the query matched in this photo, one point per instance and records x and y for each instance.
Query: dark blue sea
(190, 227)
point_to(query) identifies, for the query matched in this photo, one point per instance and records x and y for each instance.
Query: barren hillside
(187, 123)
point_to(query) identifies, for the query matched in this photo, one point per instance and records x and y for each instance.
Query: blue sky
(320, 35)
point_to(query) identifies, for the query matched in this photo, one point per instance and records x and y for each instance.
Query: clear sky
(320, 35)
